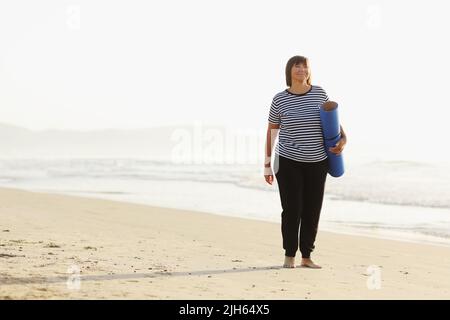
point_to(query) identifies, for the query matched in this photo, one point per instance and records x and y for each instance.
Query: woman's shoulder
(318, 88)
(281, 93)
(278, 95)
(319, 91)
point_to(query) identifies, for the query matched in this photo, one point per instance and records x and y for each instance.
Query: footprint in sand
(52, 245)
(6, 255)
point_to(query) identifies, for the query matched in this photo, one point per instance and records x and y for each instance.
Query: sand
(66, 247)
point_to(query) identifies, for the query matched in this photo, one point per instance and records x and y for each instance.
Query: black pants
(301, 186)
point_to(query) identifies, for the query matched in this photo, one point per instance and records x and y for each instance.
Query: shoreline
(331, 206)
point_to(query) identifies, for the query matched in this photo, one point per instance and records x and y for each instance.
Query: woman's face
(300, 72)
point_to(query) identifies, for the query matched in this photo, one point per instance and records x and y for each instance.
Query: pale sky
(134, 64)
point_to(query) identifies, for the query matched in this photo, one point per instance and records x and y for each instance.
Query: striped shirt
(300, 137)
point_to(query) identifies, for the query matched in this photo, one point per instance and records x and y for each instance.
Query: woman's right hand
(268, 175)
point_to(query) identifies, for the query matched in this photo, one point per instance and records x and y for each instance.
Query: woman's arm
(272, 132)
(343, 135)
(337, 149)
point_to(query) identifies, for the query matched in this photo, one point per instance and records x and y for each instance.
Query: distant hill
(156, 142)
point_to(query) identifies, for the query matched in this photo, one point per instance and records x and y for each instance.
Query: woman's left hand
(339, 147)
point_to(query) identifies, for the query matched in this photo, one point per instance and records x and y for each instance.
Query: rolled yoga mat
(331, 133)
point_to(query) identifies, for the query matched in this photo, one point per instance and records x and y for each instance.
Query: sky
(95, 64)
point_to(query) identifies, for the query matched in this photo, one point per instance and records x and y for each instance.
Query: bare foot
(308, 263)
(289, 262)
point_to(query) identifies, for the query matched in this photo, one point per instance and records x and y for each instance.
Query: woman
(300, 163)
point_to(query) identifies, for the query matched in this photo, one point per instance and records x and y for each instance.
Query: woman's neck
(299, 87)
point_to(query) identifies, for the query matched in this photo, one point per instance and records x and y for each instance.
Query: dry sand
(132, 251)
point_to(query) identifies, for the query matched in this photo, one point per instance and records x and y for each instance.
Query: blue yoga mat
(331, 135)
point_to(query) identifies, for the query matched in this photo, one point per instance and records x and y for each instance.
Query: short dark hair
(292, 62)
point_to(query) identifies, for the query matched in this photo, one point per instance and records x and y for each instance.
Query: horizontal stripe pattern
(300, 137)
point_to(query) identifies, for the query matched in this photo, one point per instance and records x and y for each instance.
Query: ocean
(403, 200)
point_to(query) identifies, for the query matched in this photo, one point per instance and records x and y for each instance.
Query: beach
(56, 246)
